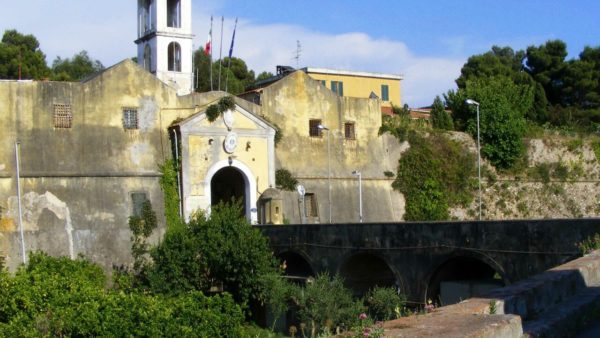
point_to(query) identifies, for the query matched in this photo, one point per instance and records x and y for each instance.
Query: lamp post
(322, 127)
(360, 211)
(476, 104)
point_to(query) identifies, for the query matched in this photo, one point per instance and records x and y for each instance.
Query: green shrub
(168, 184)
(589, 244)
(596, 147)
(284, 180)
(60, 297)
(220, 251)
(384, 303)
(574, 144)
(324, 303)
(434, 174)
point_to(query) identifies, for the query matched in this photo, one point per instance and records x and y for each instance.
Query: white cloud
(106, 29)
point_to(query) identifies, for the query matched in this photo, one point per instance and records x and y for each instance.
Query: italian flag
(208, 45)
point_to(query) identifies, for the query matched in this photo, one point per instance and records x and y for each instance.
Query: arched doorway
(228, 185)
(363, 272)
(460, 278)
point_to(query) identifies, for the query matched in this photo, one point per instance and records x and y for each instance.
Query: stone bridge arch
(298, 265)
(461, 275)
(364, 270)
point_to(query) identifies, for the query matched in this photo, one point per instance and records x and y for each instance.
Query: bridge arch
(363, 271)
(462, 275)
(297, 265)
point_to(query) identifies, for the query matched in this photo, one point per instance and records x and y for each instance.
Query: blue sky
(426, 41)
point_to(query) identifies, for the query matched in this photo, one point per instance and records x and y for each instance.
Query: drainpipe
(178, 173)
(23, 255)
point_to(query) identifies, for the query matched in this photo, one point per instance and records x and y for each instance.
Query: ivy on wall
(215, 110)
(434, 175)
(168, 184)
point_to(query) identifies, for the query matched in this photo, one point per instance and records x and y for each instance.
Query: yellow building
(385, 87)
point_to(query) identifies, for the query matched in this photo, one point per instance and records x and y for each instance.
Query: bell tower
(165, 41)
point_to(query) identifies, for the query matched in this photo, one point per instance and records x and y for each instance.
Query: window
(146, 19)
(324, 83)
(337, 87)
(349, 132)
(174, 13)
(148, 58)
(130, 118)
(313, 128)
(63, 118)
(311, 208)
(385, 93)
(137, 201)
(174, 57)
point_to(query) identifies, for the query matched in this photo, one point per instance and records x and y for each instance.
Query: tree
(503, 105)
(76, 68)
(439, 117)
(220, 250)
(546, 64)
(235, 77)
(500, 61)
(21, 54)
(264, 76)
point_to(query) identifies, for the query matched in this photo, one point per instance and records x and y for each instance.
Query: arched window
(174, 57)
(174, 13)
(147, 58)
(146, 16)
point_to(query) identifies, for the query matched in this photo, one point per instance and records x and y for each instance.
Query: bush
(61, 297)
(218, 252)
(284, 180)
(385, 303)
(325, 304)
(434, 174)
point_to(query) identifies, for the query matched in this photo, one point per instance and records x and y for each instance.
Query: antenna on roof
(298, 53)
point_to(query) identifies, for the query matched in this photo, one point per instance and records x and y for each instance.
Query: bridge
(441, 261)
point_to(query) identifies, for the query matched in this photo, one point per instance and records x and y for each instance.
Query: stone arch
(463, 275)
(174, 56)
(249, 183)
(228, 185)
(363, 271)
(297, 265)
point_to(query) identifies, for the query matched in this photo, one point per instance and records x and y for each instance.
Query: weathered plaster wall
(291, 103)
(77, 182)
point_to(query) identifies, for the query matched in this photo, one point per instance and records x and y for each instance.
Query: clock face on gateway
(230, 142)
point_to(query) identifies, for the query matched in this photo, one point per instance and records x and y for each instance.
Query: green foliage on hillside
(440, 119)
(61, 297)
(434, 174)
(503, 105)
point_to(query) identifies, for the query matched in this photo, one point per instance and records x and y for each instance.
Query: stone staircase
(556, 303)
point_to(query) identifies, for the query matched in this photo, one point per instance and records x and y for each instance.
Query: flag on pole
(232, 40)
(208, 45)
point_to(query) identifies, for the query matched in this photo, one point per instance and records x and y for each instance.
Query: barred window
(311, 208)
(130, 118)
(313, 128)
(349, 132)
(137, 201)
(63, 117)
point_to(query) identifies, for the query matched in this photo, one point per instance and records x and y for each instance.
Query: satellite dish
(300, 189)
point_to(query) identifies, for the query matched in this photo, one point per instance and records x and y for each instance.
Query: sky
(426, 41)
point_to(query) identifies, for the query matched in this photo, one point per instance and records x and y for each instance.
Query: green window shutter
(385, 93)
(334, 86)
(340, 88)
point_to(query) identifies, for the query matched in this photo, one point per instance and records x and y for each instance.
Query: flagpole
(221, 52)
(210, 54)
(230, 54)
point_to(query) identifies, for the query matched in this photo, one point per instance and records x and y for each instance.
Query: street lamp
(360, 213)
(476, 104)
(322, 127)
